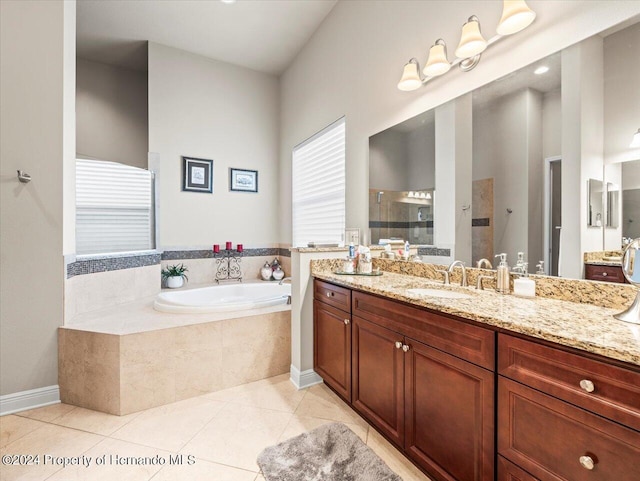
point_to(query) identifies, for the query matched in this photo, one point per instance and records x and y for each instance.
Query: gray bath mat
(331, 452)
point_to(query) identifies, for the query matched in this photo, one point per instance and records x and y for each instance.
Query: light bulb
(437, 64)
(472, 42)
(410, 78)
(516, 16)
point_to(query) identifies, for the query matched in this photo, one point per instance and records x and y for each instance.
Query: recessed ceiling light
(228, 1)
(541, 70)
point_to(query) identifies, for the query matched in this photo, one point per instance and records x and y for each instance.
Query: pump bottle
(503, 278)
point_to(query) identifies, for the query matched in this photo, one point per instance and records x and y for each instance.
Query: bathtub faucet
(285, 279)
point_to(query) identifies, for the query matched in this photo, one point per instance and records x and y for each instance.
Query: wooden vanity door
(378, 367)
(449, 415)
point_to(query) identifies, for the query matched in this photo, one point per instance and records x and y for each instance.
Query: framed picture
(197, 175)
(241, 180)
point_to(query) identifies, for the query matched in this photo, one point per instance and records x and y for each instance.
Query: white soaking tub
(223, 298)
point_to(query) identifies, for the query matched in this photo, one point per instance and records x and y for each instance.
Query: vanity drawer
(335, 296)
(555, 441)
(604, 273)
(610, 391)
(471, 343)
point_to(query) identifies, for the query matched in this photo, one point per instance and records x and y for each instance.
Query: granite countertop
(581, 326)
(602, 262)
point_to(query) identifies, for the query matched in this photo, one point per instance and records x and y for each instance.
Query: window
(318, 191)
(114, 208)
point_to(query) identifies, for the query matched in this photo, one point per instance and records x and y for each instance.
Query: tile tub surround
(144, 363)
(582, 326)
(100, 290)
(203, 270)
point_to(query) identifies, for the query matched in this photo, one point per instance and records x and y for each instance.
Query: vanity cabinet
(426, 381)
(595, 272)
(332, 336)
(562, 416)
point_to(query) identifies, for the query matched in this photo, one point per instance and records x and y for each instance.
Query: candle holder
(228, 265)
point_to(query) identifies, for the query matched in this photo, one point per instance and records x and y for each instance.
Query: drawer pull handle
(587, 462)
(604, 274)
(329, 294)
(587, 385)
(405, 348)
(346, 321)
(398, 345)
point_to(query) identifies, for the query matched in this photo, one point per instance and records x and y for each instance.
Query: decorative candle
(240, 247)
(216, 248)
(228, 246)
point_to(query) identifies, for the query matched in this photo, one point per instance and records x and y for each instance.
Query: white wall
(622, 94)
(353, 62)
(111, 110)
(421, 157)
(213, 110)
(551, 124)
(582, 150)
(388, 153)
(35, 40)
(631, 175)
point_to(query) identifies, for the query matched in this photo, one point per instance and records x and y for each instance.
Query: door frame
(547, 214)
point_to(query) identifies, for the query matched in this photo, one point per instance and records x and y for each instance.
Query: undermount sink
(438, 293)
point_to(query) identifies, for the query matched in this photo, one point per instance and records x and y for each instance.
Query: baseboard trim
(33, 398)
(303, 379)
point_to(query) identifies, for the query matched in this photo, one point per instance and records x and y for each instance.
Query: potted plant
(174, 276)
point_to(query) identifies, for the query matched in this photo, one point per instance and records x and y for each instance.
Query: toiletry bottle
(406, 249)
(524, 286)
(352, 250)
(502, 279)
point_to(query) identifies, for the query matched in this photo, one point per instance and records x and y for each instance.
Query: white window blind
(114, 208)
(318, 191)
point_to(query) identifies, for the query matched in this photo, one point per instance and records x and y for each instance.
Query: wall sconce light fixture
(516, 16)
(635, 142)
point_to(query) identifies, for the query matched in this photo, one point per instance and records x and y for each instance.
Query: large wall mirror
(552, 172)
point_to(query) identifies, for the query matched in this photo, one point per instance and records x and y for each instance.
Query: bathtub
(224, 298)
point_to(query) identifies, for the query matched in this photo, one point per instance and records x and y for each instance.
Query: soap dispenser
(524, 286)
(503, 278)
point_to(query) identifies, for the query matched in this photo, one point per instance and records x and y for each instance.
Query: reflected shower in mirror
(402, 181)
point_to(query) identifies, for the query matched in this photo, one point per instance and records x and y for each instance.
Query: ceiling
(263, 35)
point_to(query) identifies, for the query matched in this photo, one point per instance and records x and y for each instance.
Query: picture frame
(243, 180)
(197, 175)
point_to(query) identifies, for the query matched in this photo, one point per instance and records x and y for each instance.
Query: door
(555, 215)
(449, 415)
(332, 347)
(378, 366)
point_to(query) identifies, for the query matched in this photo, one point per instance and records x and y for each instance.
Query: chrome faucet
(486, 263)
(479, 285)
(285, 279)
(454, 264)
(446, 276)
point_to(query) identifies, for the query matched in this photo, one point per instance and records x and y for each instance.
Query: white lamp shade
(471, 42)
(410, 78)
(516, 16)
(635, 142)
(437, 64)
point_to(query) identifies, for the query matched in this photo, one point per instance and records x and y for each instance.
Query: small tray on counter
(371, 274)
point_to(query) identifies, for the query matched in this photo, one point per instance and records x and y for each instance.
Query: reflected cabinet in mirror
(538, 161)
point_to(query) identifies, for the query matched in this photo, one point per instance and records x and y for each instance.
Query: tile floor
(223, 431)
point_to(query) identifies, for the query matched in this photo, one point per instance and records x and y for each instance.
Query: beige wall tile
(147, 370)
(92, 292)
(198, 359)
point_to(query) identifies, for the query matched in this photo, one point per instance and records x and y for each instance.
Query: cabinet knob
(405, 348)
(346, 321)
(329, 294)
(398, 344)
(587, 385)
(587, 462)
(604, 274)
